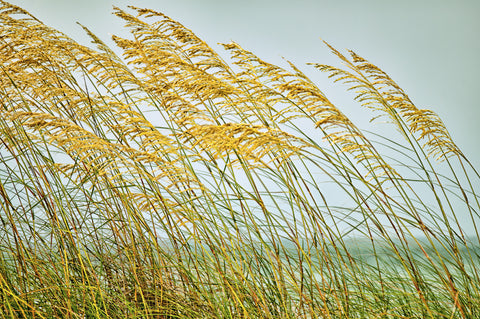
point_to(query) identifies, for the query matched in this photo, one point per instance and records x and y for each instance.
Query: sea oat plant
(167, 183)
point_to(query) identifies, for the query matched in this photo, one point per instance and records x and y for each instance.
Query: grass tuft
(168, 183)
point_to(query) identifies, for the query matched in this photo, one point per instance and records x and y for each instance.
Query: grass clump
(170, 184)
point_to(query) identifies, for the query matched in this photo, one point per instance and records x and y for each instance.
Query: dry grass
(171, 184)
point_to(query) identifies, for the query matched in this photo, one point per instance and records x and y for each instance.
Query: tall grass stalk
(168, 183)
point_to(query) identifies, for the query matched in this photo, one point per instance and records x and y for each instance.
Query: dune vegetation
(170, 183)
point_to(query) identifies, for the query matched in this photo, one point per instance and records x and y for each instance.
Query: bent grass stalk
(171, 184)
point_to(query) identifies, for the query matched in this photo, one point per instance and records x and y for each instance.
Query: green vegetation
(170, 184)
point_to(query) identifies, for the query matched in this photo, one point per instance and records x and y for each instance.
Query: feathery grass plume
(251, 141)
(164, 49)
(167, 183)
(376, 90)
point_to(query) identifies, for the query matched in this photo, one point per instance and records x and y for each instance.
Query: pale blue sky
(429, 47)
